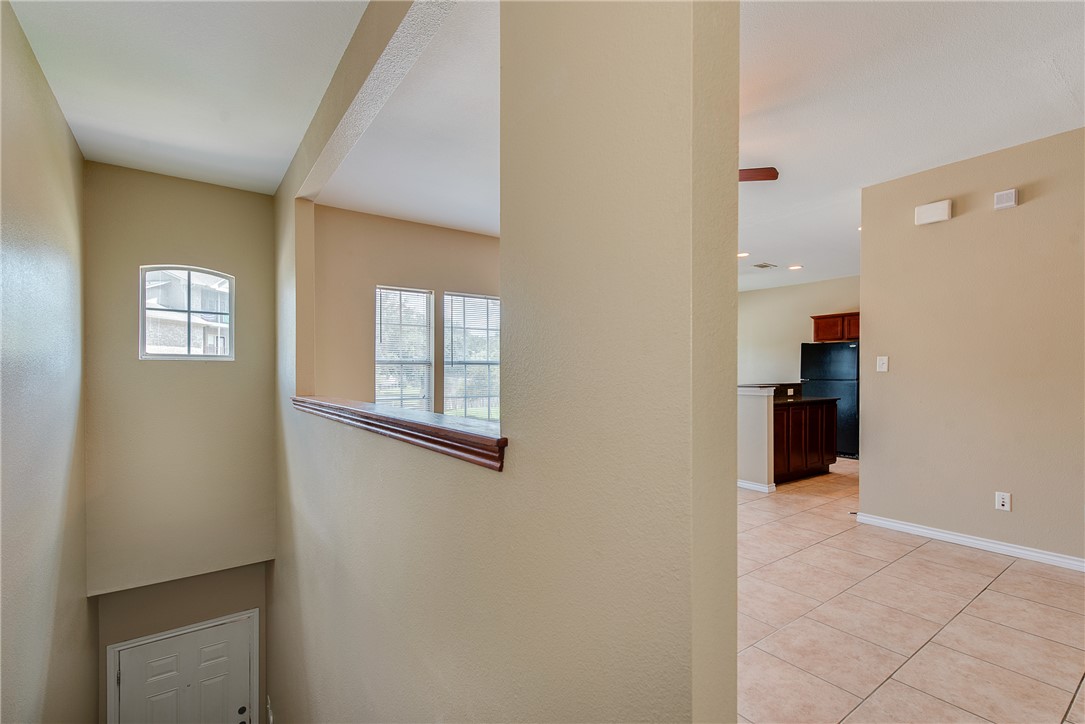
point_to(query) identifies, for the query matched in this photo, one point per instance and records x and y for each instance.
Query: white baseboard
(759, 487)
(1009, 549)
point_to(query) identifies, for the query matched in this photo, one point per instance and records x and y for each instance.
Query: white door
(200, 677)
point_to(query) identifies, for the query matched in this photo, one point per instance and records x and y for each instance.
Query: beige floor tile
(935, 575)
(840, 505)
(918, 600)
(1055, 573)
(800, 488)
(745, 565)
(755, 518)
(1042, 590)
(743, 527)
(750, 631)
(896, 536)
(844, 465)
(990, 691)
(786, 504)
(790, 535)
(748, 496)
(897, 703)
(967, 559)
(743, 720)
(844, 515)
(774, 691)
(820, 523)
(1031, 617)
(1077, 711)
(853, 565)
(869, 545)
(761, 549)
(770, 603)
(892, 629)
(803, 578)
(1038, 658)
(844, 660)
(829, 490)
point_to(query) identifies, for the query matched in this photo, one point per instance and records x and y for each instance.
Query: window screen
(185, 313)
(472, 363)
(404, 359)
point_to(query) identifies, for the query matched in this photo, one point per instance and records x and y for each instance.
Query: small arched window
(185, 313)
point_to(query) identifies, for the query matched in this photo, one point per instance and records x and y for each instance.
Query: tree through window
(404, 349)
(472, 363)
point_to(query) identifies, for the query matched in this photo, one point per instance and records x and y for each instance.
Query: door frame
(113, 659)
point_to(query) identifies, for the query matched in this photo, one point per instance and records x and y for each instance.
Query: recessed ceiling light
(860, 228)
(743, 254)
(793, 267)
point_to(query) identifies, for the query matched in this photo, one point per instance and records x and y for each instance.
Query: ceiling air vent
(765, 265)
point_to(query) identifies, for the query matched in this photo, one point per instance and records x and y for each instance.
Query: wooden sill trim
(476, 441)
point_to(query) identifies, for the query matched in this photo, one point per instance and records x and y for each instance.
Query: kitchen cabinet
(836, 327)
(804, 437)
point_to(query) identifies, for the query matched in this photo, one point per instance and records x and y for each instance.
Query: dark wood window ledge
(476, 441)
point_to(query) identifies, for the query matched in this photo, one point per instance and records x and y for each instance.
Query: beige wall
(563, 588)
(180, 461)
(356, 252)
(755, 437)
(982, 319)
(48, 636)
(773, 323)
(137, 612)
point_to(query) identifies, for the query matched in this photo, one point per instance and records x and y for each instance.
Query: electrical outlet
(1003, 501)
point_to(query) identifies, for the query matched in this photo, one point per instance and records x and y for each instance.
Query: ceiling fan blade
(768, 173)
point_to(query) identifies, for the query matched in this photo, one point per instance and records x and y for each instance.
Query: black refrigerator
(832, 370)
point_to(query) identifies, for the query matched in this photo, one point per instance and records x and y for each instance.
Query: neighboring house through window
(404, 349)
(472, 361)
(185, 313)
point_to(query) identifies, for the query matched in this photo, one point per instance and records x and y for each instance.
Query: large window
(472, 363)
(185, 313)
(404, 359)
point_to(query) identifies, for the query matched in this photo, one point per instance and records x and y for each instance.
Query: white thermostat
(1005, 199)
(933, 213)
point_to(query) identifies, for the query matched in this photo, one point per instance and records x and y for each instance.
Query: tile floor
(846, 622)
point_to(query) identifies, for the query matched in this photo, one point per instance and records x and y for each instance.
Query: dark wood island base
(804, 437)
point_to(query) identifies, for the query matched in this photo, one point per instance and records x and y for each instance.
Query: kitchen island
(783, 438)
(803, 437)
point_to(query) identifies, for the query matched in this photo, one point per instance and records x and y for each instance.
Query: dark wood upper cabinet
(836, 327)
(851, 326)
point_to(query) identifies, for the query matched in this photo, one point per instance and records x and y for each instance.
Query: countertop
(802, 400)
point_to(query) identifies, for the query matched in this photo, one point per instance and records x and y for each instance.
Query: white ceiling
(839, 96)
(433, 152)
(214, 91)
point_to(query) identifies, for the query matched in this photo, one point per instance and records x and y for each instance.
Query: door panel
(201, 677)
(815, 421)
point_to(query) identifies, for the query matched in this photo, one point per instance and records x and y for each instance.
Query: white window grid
(399, 365)
(188, 311)
(460, 403)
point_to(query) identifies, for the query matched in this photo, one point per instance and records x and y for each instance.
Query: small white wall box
(933, 213)
(1005, 199)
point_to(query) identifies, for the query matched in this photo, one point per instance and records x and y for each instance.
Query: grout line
(1077, 693)
(941, 626)
(808, 673)
(1031, 600)
(1031, 633)
(950, 703)
(1019, 673)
